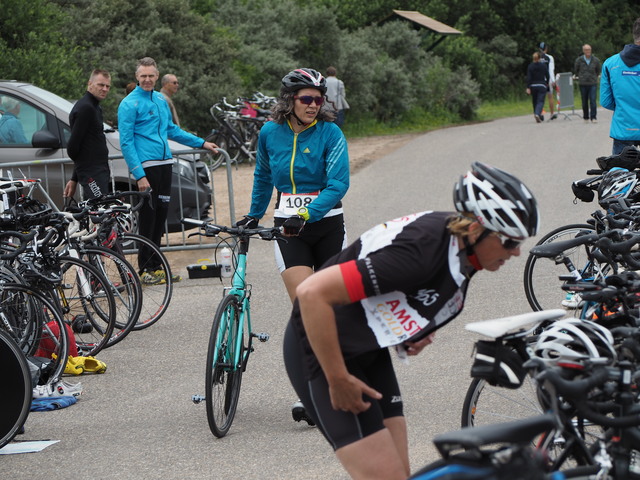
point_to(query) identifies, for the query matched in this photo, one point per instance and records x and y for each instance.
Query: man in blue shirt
(146, 125)
(620, 92)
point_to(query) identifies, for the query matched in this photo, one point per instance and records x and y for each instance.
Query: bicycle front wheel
(36, 325)
(87, 304)
(224, 367)
(15, 402)
(542, 285)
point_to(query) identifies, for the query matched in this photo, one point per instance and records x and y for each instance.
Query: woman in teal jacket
(304, 156)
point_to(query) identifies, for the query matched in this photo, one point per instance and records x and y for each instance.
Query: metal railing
(54, 174)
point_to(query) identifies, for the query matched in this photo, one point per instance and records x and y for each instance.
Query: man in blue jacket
(620, 92)
(145, 124)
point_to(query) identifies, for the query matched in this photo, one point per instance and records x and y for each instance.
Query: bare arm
(317, 295)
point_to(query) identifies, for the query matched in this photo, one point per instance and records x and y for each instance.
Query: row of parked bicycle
(237, 127)
(566, 376)
(71, 284)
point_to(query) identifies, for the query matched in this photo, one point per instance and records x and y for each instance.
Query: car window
(19, 121)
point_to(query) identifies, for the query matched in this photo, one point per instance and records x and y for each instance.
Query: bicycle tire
(500, 404)
(541, 282)
(235, 140)
(222, 379)
(125, 286)
(15, 377)
(155, 298)
(214, 161)
(36, 325)
(87, 304)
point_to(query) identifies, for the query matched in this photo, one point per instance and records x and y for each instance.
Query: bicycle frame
(242, 291)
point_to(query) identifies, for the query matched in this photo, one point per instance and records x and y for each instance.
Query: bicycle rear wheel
(486, 404)
(223, 375)
(156, 297)
(214, 160)
(125, 286)
(15, 377)
(541, 283)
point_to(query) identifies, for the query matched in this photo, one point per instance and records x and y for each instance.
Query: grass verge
(421, 121)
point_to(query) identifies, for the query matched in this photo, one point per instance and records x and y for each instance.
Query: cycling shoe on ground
(299, 413)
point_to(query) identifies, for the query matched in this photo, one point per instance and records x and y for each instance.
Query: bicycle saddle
(550, 250)
(519, 431)
(499, 327)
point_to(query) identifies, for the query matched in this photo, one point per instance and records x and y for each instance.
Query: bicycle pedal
(198, 398)
(263, 337)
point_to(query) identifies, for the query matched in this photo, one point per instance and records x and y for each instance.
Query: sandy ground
(362, 152)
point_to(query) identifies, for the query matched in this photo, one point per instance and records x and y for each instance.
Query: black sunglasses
(509, 243)
(308, 99)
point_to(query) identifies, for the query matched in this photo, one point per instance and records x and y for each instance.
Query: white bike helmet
(575, 341)
(128, 221)
(617, 183)
(500, 201)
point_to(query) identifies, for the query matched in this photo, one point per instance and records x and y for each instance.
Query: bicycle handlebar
(110, 198)
(623, 246)
(575, 391)
(211, 230)
(25, 238)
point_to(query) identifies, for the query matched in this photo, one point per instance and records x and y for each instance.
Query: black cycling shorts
(317, 243)
(343, 428)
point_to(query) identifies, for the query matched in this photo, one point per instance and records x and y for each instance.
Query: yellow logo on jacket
(306, 150)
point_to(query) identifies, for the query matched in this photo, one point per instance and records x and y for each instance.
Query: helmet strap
(300, 122)
(469, 248)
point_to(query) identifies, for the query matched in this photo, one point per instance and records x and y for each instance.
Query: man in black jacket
(87, 145)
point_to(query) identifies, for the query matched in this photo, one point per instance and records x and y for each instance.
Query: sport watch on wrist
(304, 213)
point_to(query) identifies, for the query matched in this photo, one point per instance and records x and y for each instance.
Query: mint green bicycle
(231, 339)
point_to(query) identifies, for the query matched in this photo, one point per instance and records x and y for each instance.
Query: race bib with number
(290, 203)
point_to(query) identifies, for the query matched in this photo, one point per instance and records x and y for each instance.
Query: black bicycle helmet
(499, 201)
(304, 78)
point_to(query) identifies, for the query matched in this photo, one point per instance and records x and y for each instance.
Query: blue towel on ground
(51, 403)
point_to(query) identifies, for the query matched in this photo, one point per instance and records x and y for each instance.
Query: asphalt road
(137, 420)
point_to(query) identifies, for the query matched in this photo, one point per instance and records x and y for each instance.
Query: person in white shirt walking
(336, 98)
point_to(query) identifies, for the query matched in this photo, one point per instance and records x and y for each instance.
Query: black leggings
(153, 213)
(342, 428)
(317, 243)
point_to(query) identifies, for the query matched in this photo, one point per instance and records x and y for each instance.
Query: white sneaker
(59, 389)
(572, 301)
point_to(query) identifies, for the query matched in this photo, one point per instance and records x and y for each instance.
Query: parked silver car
(44, 117)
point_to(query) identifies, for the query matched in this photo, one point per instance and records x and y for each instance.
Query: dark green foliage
(114, 34)
(32, 47)
(234, 47)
